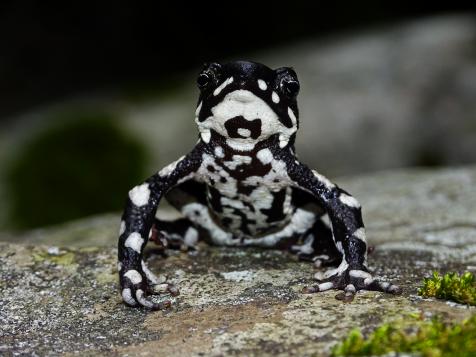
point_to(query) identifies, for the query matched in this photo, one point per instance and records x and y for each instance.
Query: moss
(428, 339)
(451, 286)
(81, 165)
(65, 259)
(106, 277)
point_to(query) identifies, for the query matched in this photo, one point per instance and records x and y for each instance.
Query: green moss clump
(82, 164)
(451, 286)
(428, 339)
(65, 259)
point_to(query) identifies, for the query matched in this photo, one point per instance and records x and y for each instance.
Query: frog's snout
(242, 96)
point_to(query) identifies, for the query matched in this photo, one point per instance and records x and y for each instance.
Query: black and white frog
(242, 185)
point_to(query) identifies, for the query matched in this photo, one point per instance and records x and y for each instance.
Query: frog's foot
(158, 285)
(350, 281)
(179, 234)
(138, 284)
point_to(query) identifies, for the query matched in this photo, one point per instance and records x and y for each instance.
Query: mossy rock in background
(83, 164)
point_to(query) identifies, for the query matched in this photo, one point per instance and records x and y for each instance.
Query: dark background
(52, 50)
(80, 160)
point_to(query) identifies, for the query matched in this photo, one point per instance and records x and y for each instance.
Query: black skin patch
(275, 213)
(245, 189)
(232, 126)
(215, 199)
(245, 222)
(227, 221)
(188, 184)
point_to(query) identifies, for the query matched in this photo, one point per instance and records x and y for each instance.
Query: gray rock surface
(64, 300)
(399, 88)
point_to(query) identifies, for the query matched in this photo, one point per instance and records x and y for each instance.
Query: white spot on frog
(197, 112)
(265, 156)
(244, 132)
(349, 200)
(122, 228)
(323, 180)
(360, 233)
(292, 116)
(206, 135)
(134, 276)
(219, 152)
(167, 170)
(237, 160)
(262, 84)
(134, 241)
(222, 86)
(139, 195)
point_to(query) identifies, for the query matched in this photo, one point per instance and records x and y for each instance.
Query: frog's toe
(349, 281)
(164, 289)
(158, 284)
(151, 277)
(323, 286)
(384, 286)
(363, 280)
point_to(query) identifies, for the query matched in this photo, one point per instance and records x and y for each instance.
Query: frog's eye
(290, 87)
(287, 82)
(203, 80)
(208, 76)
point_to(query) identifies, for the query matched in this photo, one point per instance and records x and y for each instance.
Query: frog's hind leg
(317, 245)
(189, 198)
(176, 234)
(180, 233)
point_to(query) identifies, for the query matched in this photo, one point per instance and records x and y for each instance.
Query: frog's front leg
(137, 220)
(348, 230)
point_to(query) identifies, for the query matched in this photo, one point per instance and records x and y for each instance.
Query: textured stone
(234, 301)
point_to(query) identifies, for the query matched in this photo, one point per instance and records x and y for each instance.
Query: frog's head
(247, 102)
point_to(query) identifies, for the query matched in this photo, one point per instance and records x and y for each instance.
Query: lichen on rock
(64, 299)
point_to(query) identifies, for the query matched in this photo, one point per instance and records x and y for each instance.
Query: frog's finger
(384, 286)
(348, 294)
(144, 301)
(318, 287)
(128, 298)
(164, 288)
(151, 277)
(363, 280)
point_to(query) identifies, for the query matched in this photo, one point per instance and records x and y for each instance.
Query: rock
(63, 299)
(382, 99)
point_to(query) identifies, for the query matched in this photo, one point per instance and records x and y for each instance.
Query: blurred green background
(96, 97)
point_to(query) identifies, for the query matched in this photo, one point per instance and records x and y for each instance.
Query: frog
(242, 185)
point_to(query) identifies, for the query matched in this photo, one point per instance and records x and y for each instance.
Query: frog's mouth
(240, 128)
